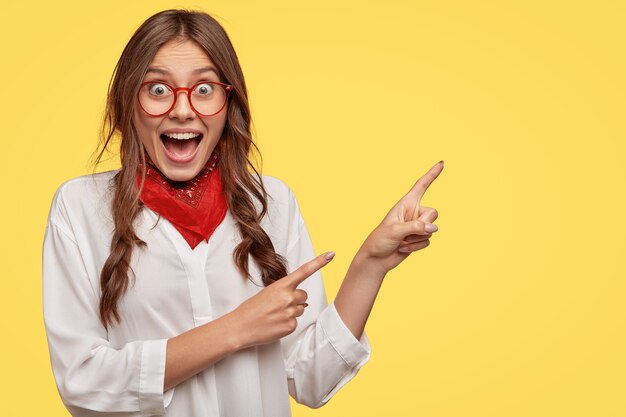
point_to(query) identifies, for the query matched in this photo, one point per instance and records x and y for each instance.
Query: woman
(184, 285)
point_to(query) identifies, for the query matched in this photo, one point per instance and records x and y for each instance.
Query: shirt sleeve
(93, 376)
(322, 354)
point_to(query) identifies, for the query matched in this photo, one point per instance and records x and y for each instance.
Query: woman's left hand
(406, 228)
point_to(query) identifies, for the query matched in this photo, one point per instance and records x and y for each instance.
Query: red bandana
(195, 207)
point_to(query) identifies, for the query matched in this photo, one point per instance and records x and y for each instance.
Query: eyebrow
(196, 71)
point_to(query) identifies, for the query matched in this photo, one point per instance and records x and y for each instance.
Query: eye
(158, 89)
(204, 89)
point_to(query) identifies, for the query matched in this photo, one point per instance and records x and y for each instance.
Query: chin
(182, 172)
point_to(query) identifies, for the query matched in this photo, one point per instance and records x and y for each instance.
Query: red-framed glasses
(206, 98)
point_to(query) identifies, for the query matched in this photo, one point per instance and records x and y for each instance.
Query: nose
(182, 109)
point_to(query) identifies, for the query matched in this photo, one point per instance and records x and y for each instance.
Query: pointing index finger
(423, 183)
(307, 269)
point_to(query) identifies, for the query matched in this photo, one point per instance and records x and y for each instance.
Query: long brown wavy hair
(234, 146)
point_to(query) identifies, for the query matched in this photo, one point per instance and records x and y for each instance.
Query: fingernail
(430, 228)
(441, 162)
(329, 255)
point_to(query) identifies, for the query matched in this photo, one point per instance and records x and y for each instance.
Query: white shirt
(121, 372)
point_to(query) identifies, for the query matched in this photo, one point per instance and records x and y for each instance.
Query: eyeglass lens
(207, 98)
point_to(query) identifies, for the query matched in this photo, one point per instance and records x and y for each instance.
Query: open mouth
(181, 147)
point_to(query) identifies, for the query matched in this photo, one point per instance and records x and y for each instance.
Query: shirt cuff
(152, 400)
(354, 352)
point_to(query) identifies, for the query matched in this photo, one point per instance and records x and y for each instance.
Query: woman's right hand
(271, 313)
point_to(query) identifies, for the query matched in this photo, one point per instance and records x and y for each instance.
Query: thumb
(400, 231)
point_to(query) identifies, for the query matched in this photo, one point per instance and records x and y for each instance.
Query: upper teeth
(182, 135)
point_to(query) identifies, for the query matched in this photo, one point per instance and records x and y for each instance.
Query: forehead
(180, 60)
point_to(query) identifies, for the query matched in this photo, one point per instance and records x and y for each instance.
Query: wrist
(234, 334)
(363, 261)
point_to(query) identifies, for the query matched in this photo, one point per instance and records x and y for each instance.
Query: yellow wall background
(518, 306)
